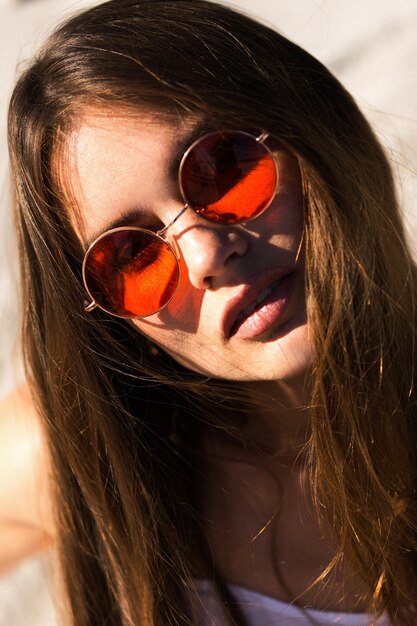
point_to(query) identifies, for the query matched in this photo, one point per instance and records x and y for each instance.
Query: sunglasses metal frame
(260, 139)
(93, 304)
(161, 234)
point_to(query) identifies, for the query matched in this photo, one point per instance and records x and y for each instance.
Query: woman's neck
(279, 422)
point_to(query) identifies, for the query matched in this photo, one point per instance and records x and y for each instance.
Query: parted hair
(124, 423)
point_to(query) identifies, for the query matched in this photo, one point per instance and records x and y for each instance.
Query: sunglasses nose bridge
(162, 232)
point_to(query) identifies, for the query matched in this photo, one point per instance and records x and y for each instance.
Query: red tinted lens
(131, 272)
(228, 177)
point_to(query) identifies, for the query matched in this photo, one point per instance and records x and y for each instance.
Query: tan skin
(260, 520)
(26, 521)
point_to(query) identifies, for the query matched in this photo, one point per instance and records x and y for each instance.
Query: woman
(219, 326)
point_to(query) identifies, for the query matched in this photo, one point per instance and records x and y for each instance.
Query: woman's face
(239, 312)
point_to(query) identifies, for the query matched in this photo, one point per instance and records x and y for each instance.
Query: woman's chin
(285, 356)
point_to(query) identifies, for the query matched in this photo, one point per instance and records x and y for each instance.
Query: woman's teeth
(253, 305)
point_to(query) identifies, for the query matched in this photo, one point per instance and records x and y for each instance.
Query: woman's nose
(209, 250)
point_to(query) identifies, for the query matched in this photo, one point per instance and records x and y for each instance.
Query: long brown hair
(126, 492)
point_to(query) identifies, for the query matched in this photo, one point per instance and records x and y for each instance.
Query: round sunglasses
(227, 177)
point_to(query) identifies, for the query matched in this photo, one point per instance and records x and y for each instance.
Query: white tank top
(262, 610)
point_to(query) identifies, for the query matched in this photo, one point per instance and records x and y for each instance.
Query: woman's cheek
(185, 307)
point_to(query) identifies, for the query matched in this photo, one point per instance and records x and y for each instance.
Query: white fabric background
(370, 45)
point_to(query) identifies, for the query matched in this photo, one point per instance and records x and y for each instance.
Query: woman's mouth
(265, 311)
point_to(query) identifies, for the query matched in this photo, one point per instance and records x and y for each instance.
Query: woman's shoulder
(26, 521)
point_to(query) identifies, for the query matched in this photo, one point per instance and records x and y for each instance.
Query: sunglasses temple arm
(89, 307)
(262, 137)
(163, 230)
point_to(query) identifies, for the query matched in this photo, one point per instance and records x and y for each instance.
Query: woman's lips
(258, 317)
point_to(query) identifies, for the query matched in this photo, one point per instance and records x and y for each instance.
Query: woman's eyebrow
(127, 219)
(204, 127)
